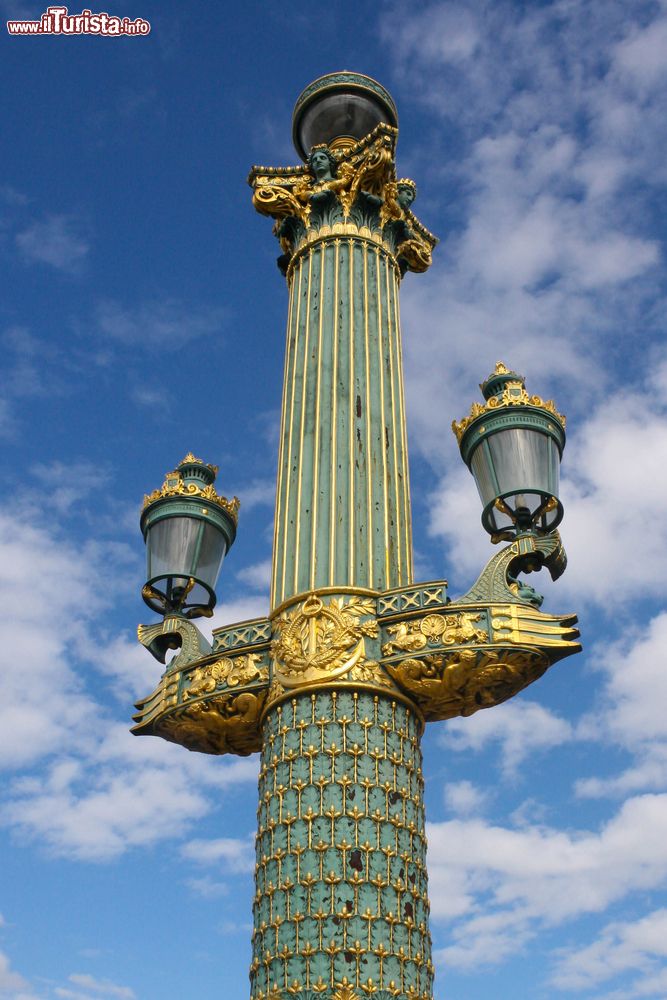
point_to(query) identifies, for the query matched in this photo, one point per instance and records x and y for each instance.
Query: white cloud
(54, 241)
(98, 818)
(131, 670)
(446, 33)
(152, 397)
(521, 728)
(636, 686)
(103, 987)
(69, 483)
(239, 609)
(26, 361)
(611, 486)
(611, 489)
(12, 985)
(99, 790)
(642, 54)
(648, 773)
(9, 194)
(207, 887)
(235, 854)
(511, 882)
(126, 792)
(257, 576)
(630, 711)
(43, 707)
(258, 492)
(166, 322)
(464, 798)
(549, 252)
(621, 947)
(7, 420)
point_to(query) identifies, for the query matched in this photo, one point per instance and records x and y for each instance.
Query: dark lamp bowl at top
(339, 106)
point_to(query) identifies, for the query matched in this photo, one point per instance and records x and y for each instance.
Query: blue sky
(143, 316)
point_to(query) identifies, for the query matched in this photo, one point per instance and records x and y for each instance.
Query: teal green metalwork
(341, 852)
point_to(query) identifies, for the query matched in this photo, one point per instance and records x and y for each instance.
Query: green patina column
(341, 907)
(343, 499)
(341, 896)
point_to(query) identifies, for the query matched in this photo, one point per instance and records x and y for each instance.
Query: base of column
(341, 905)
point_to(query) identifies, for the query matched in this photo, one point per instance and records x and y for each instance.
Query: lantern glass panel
(185, 547)
(211, 554)
(521, 460)
(516, 460)
(339, 114)
(482, 469)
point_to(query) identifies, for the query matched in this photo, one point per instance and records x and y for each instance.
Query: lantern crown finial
(500, 377)
(193, 477)
(505, 388)
(195, 470)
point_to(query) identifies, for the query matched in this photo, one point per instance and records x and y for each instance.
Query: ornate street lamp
(513, 446)
(335, 686)
(188, 530)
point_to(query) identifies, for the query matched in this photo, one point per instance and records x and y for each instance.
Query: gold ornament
(514, 394)
(230, 672)
(174, 486)
(452, 629)
(461, 683)
(318, 642)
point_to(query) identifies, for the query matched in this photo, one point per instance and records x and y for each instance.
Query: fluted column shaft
(343, 499)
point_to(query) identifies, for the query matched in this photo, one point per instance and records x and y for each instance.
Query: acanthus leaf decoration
(358, 194)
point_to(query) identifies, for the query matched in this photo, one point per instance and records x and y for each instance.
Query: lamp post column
(333, 688)
(341, 905)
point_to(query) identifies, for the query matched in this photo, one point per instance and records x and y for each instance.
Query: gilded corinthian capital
(353, 190)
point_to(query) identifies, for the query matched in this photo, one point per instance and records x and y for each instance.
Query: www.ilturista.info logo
(57, 21)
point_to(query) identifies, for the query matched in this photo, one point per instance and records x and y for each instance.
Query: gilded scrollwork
(513, 394)
(499, 581)
(371, 672)
(174, 486)
(354, 186)
(206, 679)
(444, 629)
(222, 724)
(467, 680)
(416, 253)
(279, 202)
(174, 632)
(237, 672)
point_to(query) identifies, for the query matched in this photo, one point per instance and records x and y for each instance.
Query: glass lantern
(339, 109)
(188, 529)
(513, 445)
